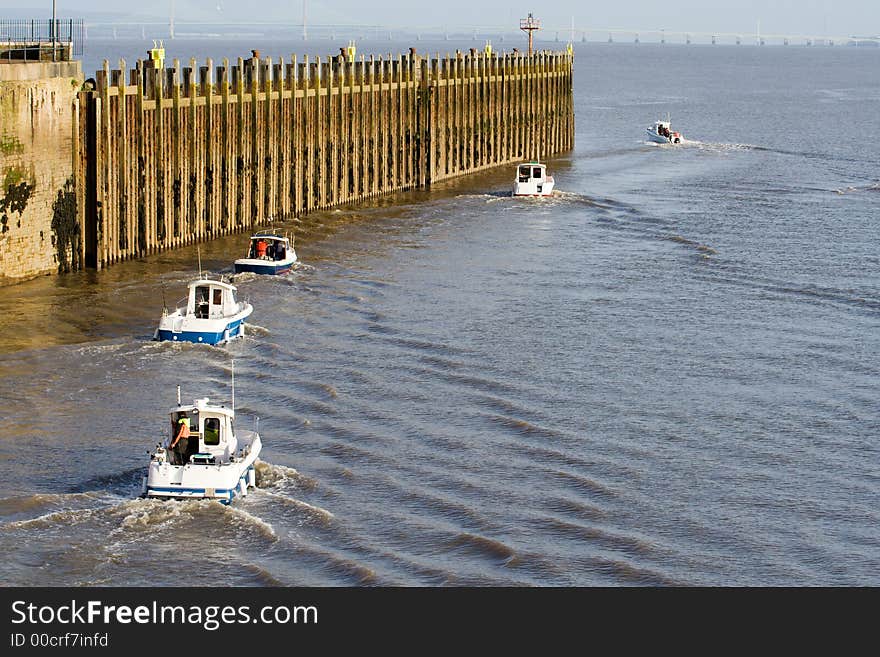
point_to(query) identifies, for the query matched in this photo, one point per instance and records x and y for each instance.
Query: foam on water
(143, 513)
(11, 507)
(255, 330)
(281, 476)
(66, 517)
(315, 512)
(244, 518)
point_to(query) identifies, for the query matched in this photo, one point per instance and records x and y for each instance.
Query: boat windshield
(267, 248)
(537, 173)
(524, 173)
(202, 296)
(212, 431)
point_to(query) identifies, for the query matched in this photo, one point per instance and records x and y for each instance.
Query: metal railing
(41, 39)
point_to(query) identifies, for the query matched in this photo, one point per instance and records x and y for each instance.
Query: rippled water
(666, 374)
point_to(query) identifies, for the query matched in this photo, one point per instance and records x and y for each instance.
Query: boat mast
(233, 385)
(178, 395)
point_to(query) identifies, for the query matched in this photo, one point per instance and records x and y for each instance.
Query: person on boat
(261, 248)
(182, 437)
(279, 250)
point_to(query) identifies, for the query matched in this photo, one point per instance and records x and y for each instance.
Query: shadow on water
(126, 483)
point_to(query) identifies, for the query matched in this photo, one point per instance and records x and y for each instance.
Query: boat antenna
(164, 304)
(233, 385)
(178, 395)
(199, 250)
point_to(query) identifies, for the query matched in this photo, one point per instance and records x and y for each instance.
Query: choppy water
(666, 374)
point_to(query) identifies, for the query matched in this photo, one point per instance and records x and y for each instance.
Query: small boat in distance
(216, 461)
(532, 180)
(211, 315)
(661, 133)
(269, 253)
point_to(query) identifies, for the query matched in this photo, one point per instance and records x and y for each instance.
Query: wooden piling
(168, 157)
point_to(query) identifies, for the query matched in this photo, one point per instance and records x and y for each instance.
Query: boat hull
(222, 482)
(660, 139)
(225, 492)
(534, 189)
(270, 267)
(215, 331)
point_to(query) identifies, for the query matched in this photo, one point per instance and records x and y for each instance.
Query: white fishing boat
(211, 315)
(661, 133)
(532, 180)
(216, 461)
(268, 253)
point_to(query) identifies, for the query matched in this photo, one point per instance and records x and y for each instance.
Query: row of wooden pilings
(171, 156)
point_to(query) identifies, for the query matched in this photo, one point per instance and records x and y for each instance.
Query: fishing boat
(268, 253)
(532, 180)
(211, 315)
(661, 133)
(215, 461)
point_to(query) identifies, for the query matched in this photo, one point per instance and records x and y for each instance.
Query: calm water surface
(666, 374)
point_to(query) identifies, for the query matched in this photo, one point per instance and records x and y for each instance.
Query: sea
(666, 374)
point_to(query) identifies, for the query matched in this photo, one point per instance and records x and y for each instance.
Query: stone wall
(38, 224)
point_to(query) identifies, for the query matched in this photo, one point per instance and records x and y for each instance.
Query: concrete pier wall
(39, 233)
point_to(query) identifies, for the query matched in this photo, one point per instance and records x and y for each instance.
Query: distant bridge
(168, 29)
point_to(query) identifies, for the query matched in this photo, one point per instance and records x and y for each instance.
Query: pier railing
(40, 40)
(172, 156)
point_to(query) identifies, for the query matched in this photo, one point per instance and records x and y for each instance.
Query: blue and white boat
(269, 253)
(211, 316)
(215, 461)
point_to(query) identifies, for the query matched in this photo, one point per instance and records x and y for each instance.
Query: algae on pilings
(13, 176)
(65, 229)
(10, 145)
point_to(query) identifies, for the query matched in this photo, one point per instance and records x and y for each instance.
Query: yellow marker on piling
(351, 51)
(488, 48)
(157, 53)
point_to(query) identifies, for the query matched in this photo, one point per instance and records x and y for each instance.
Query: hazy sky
(816, 17)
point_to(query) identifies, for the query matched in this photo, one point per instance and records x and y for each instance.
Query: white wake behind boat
(661, 133)
(211, 315)
(532, 180)
(216, 462)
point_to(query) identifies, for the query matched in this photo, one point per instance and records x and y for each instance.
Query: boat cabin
(268, 246)
(208, 299)
(211, 437)
(531, 172)
(532, 180)
(663, 128)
